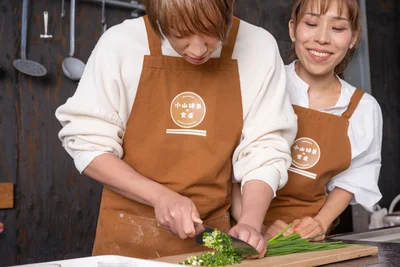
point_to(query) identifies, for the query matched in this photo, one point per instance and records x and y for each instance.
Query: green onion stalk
(223, 253)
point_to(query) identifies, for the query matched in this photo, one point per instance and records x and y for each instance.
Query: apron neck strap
(154, 40)
(227, 49)
(355, 99)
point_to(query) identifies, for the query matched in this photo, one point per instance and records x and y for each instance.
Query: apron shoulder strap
(154, 40)
(355, 99)
(227, 49)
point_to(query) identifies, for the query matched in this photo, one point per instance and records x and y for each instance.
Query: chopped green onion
(223, 253)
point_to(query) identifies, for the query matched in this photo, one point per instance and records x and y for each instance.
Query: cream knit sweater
(95, 117)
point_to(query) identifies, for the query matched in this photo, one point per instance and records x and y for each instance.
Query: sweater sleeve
(269, 128)
(90, 118)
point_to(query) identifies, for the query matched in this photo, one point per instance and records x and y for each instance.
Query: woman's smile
(319, 55)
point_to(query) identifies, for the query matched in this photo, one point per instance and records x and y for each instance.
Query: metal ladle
(24, 65)
(72, 67)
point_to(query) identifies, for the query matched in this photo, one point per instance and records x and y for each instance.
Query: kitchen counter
(388, 256)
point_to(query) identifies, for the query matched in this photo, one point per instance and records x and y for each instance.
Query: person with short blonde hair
(169, 111)
(208, 17)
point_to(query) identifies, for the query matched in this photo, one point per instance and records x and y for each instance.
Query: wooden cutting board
(298, 259)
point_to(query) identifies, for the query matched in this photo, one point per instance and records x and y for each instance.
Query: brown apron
(185, 123)
(321, 151)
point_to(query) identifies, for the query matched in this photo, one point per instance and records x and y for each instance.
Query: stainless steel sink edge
(388, 235)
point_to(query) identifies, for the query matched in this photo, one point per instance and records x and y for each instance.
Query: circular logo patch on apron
(305, 153)
(188, 110)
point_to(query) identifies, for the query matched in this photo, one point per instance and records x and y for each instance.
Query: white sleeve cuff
(268, 174)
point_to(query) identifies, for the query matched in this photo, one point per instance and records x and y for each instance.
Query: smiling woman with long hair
(336, 157)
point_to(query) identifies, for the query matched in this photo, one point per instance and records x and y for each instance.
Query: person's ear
(353, 44)
(355, 39)
(292, 30)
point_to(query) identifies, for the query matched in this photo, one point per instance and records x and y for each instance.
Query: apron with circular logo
(321, 151)
(185, 124)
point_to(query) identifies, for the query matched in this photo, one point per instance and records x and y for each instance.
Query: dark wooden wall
(384, 38)
(8, 130)
(56, 208)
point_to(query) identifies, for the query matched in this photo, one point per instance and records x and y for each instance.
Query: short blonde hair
(354, 14)
(209, 17)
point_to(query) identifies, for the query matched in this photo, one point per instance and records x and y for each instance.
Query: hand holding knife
(240, 247)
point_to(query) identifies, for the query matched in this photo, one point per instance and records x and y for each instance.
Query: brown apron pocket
(138, 236)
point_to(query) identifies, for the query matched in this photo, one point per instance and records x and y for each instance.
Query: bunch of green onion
(224, 254)
(283, 245)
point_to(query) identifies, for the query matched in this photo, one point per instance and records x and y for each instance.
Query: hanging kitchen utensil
(103, 16)
(62, 9)
(24, 65)
(72, 67)
(46, 21)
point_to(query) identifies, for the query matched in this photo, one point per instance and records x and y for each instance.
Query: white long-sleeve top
(365, 135)
(94, 119)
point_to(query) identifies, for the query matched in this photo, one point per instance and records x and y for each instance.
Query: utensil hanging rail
(133, 4)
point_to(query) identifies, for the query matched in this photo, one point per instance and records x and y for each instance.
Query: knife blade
(240, 247)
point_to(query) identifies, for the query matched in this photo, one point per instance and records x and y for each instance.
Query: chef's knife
(240, 247)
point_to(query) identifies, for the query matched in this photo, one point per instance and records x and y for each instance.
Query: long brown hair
(354, 13)
(209, 17)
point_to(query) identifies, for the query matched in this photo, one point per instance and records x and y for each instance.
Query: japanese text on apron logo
(187, 111)
(305, 155)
